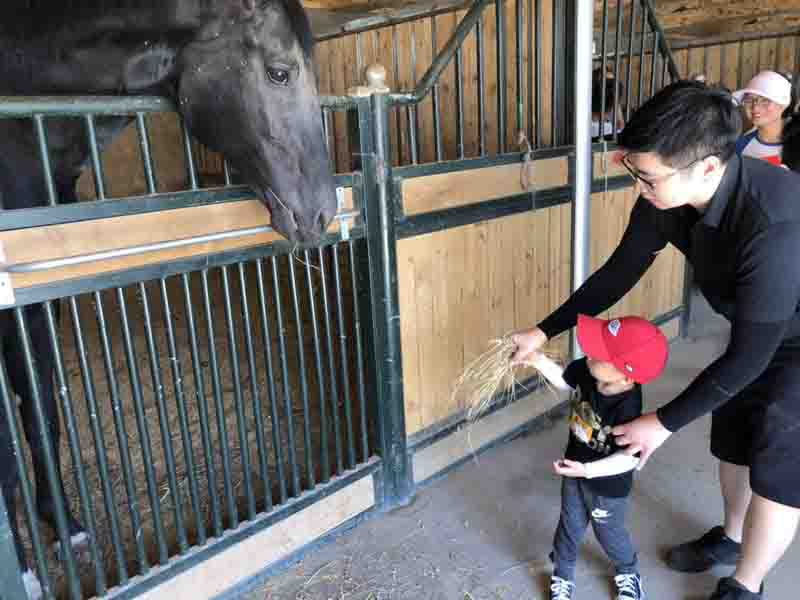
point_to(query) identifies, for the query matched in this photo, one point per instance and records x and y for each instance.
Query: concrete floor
(484, 531)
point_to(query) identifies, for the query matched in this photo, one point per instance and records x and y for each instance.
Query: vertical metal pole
(654, 65)
(44, 155)
(186, 434)
(147, 158)
(219, 403)
(481, 88)
(95, 423)
(603, 107)
(238, 399)
(529, 112)
(520, 90)
(68, 412)
(287, 393)
(459, 105)
(10, 568)
(437, 122)
(308, 446)
(176, 498)
(325, 465)
(581, 205)
(628, 92)
(97, 164)
(382, 251)
(263, 462)
(142, 428)
(202, 405)
(502, 78)
(10, 574)
(330, 351)
(538, 58)
(191, 169)
(49, 453)
(273, 406)
(641, 56)
(617, 38)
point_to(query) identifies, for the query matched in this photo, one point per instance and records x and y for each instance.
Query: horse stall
(226, 397)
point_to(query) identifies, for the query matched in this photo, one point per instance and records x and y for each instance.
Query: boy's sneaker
(629, 586)
(714, 547)
(730, 589)
(561, 589)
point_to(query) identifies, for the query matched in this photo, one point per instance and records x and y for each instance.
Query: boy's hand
(527, 343)
(569, 468)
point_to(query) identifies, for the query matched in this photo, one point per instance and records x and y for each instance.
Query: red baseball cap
(632, 344)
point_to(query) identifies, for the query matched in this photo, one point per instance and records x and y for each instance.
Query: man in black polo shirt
(738, 223)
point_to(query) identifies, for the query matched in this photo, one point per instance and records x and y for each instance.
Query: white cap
(768, 84)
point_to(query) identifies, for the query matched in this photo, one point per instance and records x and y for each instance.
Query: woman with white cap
(767, 102)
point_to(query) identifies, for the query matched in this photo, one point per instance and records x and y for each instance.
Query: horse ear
(149, 67)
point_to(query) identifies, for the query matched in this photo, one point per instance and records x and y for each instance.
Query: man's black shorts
(760, 428)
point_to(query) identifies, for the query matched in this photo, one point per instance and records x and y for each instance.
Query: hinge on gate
(344, 222)
(6, 289)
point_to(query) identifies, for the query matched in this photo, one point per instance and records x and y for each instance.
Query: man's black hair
(684, 122)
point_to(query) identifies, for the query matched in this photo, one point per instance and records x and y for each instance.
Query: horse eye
(278, 76)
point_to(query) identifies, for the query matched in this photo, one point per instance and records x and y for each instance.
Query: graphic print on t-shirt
(750, 145)
(586, 425)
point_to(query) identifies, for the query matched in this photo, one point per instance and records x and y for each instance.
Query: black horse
(240, 72)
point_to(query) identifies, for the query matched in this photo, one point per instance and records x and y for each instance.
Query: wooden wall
(463, 287)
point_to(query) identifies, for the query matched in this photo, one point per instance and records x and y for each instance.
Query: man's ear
(712, 165)
(152, 65)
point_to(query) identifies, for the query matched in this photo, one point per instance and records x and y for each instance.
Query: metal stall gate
(224, 395)
(227, 398)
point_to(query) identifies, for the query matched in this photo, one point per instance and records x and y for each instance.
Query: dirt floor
(484, 532)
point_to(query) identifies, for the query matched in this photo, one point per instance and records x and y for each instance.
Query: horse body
(240, 73)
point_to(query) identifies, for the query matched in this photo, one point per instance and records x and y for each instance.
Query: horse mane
(28, 20)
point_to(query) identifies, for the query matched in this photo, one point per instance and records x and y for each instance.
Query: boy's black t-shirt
(592, 416)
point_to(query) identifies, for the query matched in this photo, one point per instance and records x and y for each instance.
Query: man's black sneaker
(730, 589)
(713, 548)
(629, 586)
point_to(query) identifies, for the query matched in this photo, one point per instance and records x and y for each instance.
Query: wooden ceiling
(684, 21)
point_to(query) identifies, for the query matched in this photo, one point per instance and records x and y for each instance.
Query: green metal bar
(163, 422)
(147, 158)
(191, 168)
(68, 412)
(640, 94)
(10, 409)
(238, 399)
(44, 156)
(443, 59)
(287, 394)
(15, 107)
(381, 244)
(604, 35)
(617, 40)
(273, 402)
(202, 405)
(301, 358)
(655, 25)
(459, 105)
(263, 470)
(358, 331)
(97, 163)
(49, 459)
(520, 90)
(323, 413)
(99, 442)
(345, 366)
(142, 428)
(628, 92)
(222, 429)
(502, 76)
(183, 419)
(330, 351)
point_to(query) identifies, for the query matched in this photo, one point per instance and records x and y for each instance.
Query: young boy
(621, 354)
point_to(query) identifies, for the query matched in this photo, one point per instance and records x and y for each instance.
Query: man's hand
(528, 342)
(569, 468)
(644, 435)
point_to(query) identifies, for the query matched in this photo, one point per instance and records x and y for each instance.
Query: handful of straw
(491, 374)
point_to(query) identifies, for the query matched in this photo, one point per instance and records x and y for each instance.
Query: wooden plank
(86, 237)
(750, 54)
(449, 190)
(445, 25)
(768, 55)
(245, 559)
(714, 66)
(490, 79)
(786, 54)
(547, 72)
(731, 72)
(424, 58)
(696, 61)
(469, 60)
